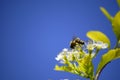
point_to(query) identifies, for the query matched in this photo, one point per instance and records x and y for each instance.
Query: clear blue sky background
(33, 32)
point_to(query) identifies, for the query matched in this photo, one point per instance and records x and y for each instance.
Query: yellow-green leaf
(105, 12)
(108, 57)
(98, 36)
(118, 1)
(116, 25)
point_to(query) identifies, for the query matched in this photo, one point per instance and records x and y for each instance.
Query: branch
(99, 72)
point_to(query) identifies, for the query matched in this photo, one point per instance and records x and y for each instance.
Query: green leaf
(105, 12)
(118, 1)
(108, 57)
(116, 25)
(98, 36)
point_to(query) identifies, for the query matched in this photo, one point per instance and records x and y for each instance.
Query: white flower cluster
(91, 45)
(75, 54)
(67, 55)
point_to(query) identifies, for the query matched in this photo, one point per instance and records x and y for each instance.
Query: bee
(76, 41)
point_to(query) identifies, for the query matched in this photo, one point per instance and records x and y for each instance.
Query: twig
(99, 72)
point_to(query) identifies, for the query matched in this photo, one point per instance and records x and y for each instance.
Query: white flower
(101, 45)
(65, 50)
(77, 54)
(61, 55)
(91, 45)
(70, 55)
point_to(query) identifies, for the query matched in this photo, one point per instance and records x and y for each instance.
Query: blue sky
(33, 32)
